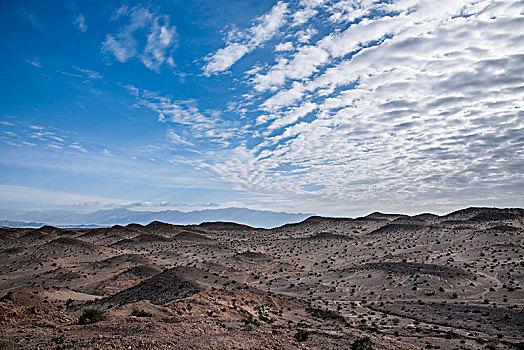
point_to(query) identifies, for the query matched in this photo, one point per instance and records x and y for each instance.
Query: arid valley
(404, 282)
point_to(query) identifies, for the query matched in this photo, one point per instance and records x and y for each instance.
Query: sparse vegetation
(364, 343)
(301, 335)
(91, 316)
(251, 320)
(141, 313)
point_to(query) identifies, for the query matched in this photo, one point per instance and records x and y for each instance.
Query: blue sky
(329, 107)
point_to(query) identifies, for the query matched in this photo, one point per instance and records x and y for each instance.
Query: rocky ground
(406, 282)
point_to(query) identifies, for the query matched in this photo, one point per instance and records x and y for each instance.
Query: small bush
(251, 320)
(90, 316)
(362, 344)
(141, 313)
(301, 335)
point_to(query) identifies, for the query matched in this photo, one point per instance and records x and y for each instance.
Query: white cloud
(49, 137)
(70, 74)
(307, 10)
(80, 22)
(53, 145)
(195, 125)
(122, 10)
(56, 138)
(287, 46)
(78, 147)
(33, 19)
(107, 152)
(122, 48)
(421, 106)
(304, 36)
(11, 143)
(302, 16)
(89, 74)
(161, 37)
(34, 62)
(86, 204)
(176, 111)
(304, 63)
(265, 29)
(292, 116)
(309, 59)
(135, 205)
(173, 137)
(226, 57)
(160, 40)
(39, 136)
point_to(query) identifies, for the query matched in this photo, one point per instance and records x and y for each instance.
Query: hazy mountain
(9, 223)
(255, 218)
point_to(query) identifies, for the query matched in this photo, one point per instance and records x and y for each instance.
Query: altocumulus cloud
(190, 122)
(383, 103)
(243, 42)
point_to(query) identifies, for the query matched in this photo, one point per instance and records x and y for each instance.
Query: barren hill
(406, 282)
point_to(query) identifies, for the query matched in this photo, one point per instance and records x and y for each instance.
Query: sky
(328, 107)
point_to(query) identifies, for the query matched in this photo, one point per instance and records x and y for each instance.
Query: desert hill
(406, 282)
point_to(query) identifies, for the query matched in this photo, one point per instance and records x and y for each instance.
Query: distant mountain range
(120, 216)
(10, 223)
